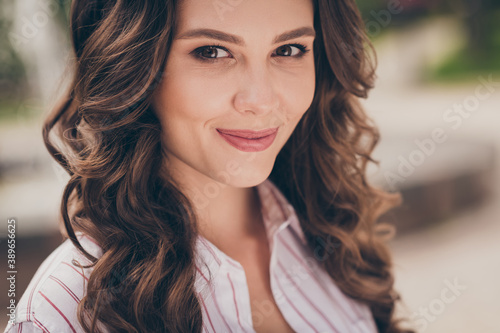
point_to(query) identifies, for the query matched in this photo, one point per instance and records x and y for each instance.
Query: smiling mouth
(247, 140)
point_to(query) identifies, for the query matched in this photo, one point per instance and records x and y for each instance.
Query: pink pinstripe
(307, 298)
(208, 316)
(68, 264)
(65, 287)
(235, 303)
(299, 259)
(293, 306)
(40, 325)
(215, 299)
(60, 312)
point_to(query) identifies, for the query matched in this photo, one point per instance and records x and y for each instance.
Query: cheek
(188, 92)
(183, 98)
(299, 96)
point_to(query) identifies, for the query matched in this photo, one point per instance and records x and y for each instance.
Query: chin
(250, 178)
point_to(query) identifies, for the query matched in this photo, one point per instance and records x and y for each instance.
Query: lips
(247, 140)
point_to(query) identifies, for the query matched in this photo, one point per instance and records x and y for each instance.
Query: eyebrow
(225, 37)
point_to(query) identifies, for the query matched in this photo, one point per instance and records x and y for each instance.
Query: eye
(288, 50)
(211, 52)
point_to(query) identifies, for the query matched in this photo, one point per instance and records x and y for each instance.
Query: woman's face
(257, 77)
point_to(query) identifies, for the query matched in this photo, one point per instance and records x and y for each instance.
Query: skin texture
(256, 86)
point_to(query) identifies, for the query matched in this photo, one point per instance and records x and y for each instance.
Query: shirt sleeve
(24, 327)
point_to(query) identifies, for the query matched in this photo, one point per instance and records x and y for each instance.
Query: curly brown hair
(106, 136)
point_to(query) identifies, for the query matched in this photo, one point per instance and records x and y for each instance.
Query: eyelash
(197, 52)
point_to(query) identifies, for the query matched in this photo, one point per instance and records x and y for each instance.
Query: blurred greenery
(472, 60)
(14, 86)
(63, 13)
(481, 54)
(12, 71)
(8, 110)
(365, 6)
(21, 110)
(480, 19)
(401, 12)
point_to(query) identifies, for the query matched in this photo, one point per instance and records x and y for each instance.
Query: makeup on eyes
(197, 52)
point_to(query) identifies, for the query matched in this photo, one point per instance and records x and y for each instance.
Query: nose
(257, 91)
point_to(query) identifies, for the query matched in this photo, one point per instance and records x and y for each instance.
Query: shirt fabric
(307, 297)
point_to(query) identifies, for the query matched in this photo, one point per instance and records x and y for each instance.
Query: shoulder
(51, 299)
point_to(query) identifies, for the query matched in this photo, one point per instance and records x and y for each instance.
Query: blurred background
(436, 103)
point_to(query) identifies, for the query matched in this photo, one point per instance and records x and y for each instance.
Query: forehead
(261, 18)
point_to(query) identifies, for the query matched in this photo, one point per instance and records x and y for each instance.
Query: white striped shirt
(307, 297)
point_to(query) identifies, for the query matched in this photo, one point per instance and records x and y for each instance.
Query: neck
(230, 215)
(224, 213)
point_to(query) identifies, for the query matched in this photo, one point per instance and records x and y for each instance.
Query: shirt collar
(276, 210)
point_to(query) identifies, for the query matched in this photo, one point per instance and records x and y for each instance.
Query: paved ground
(463, 251)
(448, 273)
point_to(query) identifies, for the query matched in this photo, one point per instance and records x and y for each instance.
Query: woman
(217, 156)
